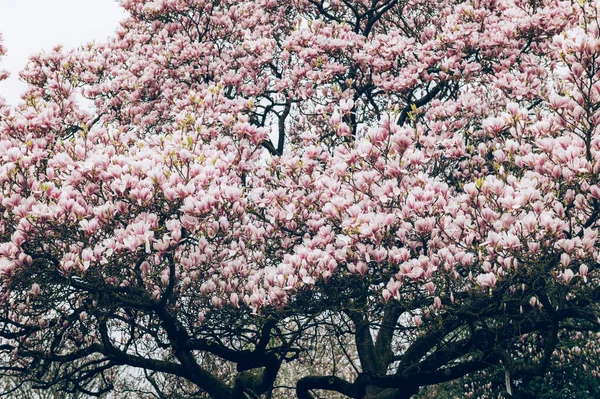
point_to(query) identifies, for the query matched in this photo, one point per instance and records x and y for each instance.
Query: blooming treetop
(420, 177)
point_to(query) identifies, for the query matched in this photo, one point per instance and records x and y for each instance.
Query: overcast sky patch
(30, 26)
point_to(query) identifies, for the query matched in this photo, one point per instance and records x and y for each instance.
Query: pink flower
(418, 321)
(346, 105)
(486, 280)
(386, 295)
(234, 299)
(6, 266)
(533, 301)
(430, 287)
(583, 272)
(18, 238)
(565, 259)
(35, 289)
(568, 275)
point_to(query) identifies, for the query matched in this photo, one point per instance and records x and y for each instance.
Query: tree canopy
(306, 197)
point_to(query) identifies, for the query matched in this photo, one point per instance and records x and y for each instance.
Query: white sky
(30, 26)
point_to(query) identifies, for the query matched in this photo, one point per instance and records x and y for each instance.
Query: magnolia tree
(308, 197)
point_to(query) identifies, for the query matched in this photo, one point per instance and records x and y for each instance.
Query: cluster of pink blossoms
(172, 171)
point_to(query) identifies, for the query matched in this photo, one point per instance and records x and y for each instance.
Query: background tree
(572, 374)
(411, 187)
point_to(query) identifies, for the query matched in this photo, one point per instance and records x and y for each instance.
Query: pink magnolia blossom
(487, 280)
(568, 275)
